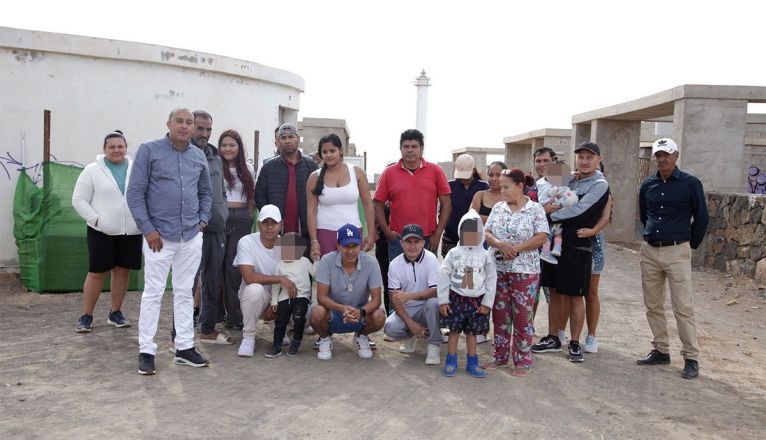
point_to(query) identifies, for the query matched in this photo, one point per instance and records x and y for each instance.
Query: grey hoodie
(219, 212)
(474, 260)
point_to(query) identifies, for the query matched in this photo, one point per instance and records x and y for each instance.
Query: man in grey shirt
(348, 295)
(169, 197)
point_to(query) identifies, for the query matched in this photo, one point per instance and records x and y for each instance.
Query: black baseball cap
(590, 146)
(412, 230)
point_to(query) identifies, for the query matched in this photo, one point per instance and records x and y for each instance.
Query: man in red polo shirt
(412, 187)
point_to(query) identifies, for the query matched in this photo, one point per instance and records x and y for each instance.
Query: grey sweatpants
(426, 314)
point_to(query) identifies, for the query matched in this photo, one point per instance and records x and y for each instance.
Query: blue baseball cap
(349, 234)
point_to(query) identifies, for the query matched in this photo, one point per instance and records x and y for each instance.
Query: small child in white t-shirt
(287, 303)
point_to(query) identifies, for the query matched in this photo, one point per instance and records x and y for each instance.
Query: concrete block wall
(736, 238)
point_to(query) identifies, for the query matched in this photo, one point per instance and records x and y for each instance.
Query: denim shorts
(338, 326)
(598, 255)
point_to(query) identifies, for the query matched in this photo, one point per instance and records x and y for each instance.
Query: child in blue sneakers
(466, 293)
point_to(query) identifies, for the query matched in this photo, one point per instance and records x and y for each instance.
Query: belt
(665, 243)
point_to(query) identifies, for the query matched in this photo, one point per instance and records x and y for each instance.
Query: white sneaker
(286, 340)
(365, 352)
(433, 356)
(247, 347)
(480, 339)
(325, 349)
(591, 344)
(408, 346)
(309, 331)
(562, 336)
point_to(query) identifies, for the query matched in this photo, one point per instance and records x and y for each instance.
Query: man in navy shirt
(675, 218)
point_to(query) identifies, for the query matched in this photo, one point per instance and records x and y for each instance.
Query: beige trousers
(671, 263)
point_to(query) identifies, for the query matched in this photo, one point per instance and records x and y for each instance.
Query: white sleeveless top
(237, 194)
(338, 206)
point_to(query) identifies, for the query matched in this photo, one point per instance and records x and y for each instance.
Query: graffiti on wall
(756, 180)
(11, 165)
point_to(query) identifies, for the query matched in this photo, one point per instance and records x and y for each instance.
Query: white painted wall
(93, 86)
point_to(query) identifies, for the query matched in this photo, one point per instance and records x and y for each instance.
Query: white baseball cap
(665, 144)
(269, 211)
(464, 165)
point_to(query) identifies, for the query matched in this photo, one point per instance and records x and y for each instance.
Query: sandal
(494, 365)
(521, 371)
(220, 339)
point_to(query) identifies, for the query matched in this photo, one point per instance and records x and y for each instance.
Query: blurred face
(350, 253)
(331, 155)
(269, 229)
(180, 127)
(666, 163)
(469, 238)
(587, 162)
(115, 150)
(510, 190)
(493, 177)
(541, 162)
(229, 149)
(412, 151)
(288, 143)
(412, 247)
(203, 127)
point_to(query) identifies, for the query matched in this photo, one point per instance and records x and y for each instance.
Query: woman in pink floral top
(515, 229)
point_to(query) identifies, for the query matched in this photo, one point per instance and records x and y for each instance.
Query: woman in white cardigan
(114, 240)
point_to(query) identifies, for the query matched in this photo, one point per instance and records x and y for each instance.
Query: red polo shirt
(413, 197)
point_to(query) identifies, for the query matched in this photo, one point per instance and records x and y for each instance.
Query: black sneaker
(294, 346)
(274, 351)
(145, 364)
(190, 357)
(116, 319)
(547, 344)
(575, 352)
(85, 325)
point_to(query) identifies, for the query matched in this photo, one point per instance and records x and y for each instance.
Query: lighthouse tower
(422, 83)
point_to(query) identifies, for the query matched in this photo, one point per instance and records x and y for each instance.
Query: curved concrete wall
(93, 86)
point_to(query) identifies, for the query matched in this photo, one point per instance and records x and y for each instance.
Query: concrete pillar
(422, 83)
(710, 134)
(619, 143)
(518, 155)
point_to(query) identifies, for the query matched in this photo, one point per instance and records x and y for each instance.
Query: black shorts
(107, 251)
(571, 276)
(464, 315)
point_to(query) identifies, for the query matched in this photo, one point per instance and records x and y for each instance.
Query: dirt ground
(58, 384)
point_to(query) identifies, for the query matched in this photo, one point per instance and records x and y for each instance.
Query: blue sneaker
(116, 319)
(472, 367)
(450, 365)
(85, 325)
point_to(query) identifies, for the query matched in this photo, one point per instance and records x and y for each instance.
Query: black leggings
(297, 308)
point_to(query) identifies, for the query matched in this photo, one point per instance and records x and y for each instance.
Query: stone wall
(736, 236)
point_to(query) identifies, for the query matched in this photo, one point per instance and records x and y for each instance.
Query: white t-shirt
(252, 252)
(236, 194)
(296, 271)
(413, 277)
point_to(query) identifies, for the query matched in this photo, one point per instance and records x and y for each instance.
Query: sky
(497, 68)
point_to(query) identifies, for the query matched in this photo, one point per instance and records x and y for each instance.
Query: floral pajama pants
(514, 300)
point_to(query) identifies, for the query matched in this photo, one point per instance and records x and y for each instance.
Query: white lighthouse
(422, 83)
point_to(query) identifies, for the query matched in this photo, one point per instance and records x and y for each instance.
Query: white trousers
(184, 258)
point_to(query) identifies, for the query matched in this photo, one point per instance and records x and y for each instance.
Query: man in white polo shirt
(412, 280)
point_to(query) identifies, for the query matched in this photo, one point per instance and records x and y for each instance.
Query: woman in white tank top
(332, 194)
